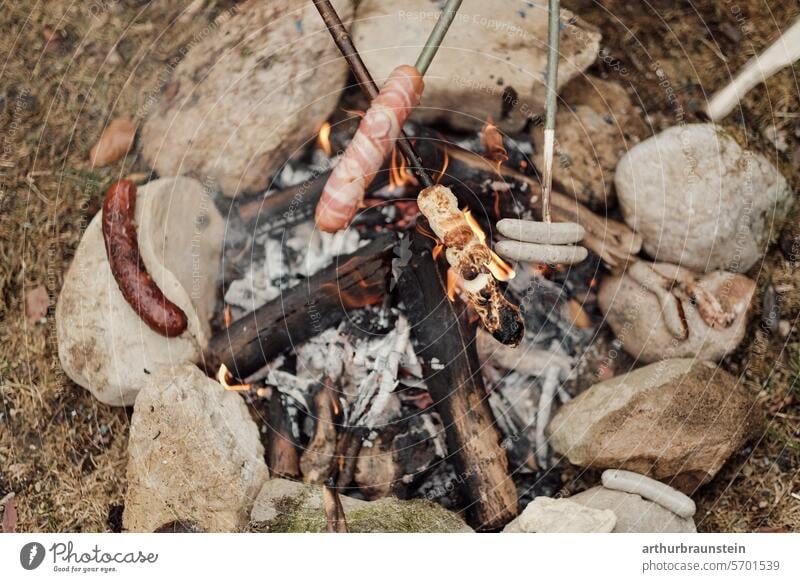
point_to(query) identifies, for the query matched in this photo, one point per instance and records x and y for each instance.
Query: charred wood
(305, 310)
(445, 344)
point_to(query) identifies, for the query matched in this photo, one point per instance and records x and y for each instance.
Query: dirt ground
(69, 67)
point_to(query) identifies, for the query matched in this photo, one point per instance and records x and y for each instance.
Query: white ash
(281, 264)
(366, 370)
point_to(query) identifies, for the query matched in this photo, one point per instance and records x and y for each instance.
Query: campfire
(362, 353)
(408, 308)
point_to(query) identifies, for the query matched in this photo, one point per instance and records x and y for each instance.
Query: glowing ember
(224, 377)
(324, 138)
(501, 270)
(228, 317)
(398, 173)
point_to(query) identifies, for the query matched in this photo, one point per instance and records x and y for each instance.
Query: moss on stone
(303, 513)
(393, 515)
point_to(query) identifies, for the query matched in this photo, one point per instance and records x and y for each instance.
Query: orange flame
(398, 172)
(324, 138)
(224, 376)
(501, 270)
(492, 140)
(445, 163)
(453, 281)
(228, 317)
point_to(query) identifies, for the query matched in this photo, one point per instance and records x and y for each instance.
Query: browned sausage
(122, 249)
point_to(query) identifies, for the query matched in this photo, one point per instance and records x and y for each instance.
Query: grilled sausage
(377, 133)
(130, 273)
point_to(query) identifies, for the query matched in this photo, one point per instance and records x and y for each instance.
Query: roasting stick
(551, 103)
(467, 255)
(345, 44)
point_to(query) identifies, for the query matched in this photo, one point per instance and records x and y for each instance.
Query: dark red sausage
(122, 249)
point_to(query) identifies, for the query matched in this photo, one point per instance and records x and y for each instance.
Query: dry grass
(63, 454)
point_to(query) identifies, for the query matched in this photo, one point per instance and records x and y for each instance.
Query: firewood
(334, 511)
(318, 459)
(303, 311)
(445, 344)
(282, 456)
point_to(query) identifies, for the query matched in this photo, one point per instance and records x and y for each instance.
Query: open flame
(445, 163)
(492, 140)
(224, 377)
(324, 138)
(501, 270)
(453, 284)
(398, 172)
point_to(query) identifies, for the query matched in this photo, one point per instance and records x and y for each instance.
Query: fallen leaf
(10, 515)
(578, 316)
(115, 142)
(37, 302)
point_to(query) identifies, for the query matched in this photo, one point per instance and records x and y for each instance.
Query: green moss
(302, 513)
(391, 515)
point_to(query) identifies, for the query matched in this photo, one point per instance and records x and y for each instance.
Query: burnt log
(283, 458)
(444, 340)
(305, 310)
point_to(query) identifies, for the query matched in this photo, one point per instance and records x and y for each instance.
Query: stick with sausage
(130, 273)
(377, 133)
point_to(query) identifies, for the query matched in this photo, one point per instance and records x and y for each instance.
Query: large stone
(547, 515)
(248, 96)
(194, 455)
(634, 514)
(676, 420)
(701, 201)
(492, 62)
(635, 315)
(596, 127)
(103, 345)
(285, 506)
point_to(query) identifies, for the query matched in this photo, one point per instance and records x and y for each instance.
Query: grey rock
(635, 315)
(701, 201)
(247, 96)
(194, 455)
(634, 514)
(677, 421)
(501, 77)
(285, 506)
(547, 515)
(103, 345)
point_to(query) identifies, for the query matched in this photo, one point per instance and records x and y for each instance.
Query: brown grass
(63, 453)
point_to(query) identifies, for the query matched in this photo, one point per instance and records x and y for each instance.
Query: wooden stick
(334, 511)
(282, 456)
(445, 343)
(342, 39)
